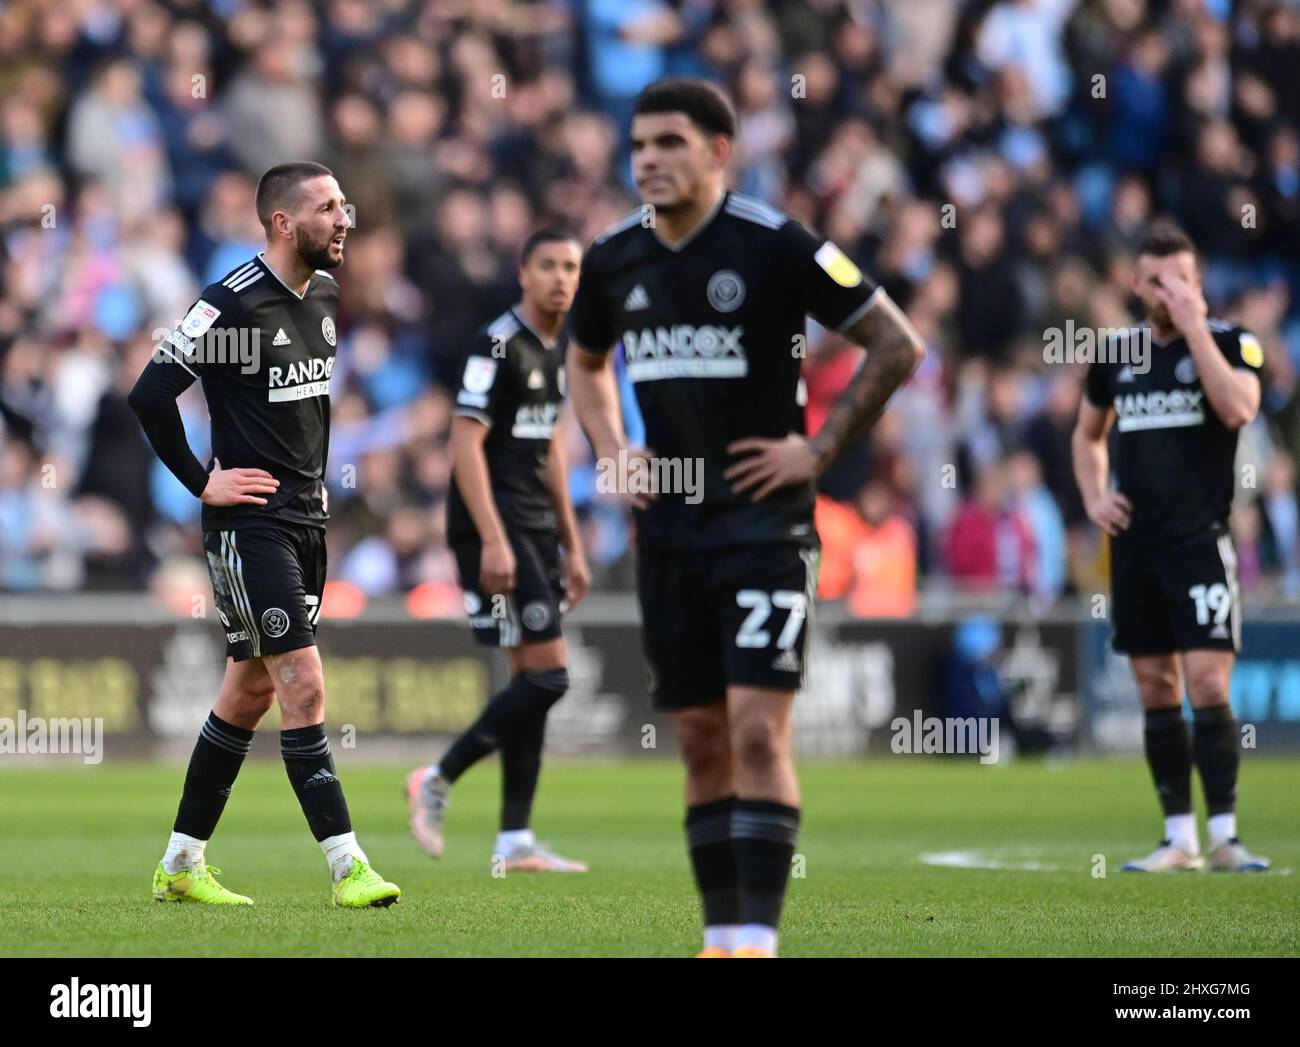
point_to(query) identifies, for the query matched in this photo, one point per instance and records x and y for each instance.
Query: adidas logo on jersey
(636, 299)
(280, 338)
(535, 380)
(1125, 374)
(786, 662)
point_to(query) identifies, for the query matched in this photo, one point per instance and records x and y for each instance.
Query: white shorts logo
(726, 290)
(536, 616)
(275, 622)
(327, 329)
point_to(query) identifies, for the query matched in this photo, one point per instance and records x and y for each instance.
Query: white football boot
(427, 801)
(538, 857)
(1232, 856)
(1166, 858)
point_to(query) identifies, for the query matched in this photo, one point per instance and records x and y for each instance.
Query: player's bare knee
(255, 700)
(708, 771)
(546, 657)
(302, 709)
(706, 759)
(1159, 688)
(302, 695)
(1207, 689)
(1159, 694)
(756, 744)
(704, 743)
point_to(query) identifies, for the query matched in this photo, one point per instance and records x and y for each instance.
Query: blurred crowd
(992, 164)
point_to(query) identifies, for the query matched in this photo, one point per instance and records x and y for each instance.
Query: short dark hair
(544, 236)
(1164, 239)
(705, 104)
(280, 188)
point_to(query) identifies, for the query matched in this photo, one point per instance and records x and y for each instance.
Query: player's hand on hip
(770, 464)
(634, 475)
(496, 573)
(237, 486)
(1111, 512)
(577, 579)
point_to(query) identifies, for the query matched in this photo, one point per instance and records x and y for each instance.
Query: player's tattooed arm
(894, 352)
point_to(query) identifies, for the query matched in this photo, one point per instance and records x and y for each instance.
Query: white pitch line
(984, 860)
(978, 860)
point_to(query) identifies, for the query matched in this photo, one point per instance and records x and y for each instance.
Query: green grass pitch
(1014, 849)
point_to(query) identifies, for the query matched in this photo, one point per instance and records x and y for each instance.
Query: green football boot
(194, 885)
(363, 887)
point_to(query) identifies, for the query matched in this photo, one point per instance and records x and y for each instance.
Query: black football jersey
(513, 382)
(264, 356)
(1173, 456)
(713, 331)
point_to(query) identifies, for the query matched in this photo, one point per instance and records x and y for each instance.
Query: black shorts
(1183, 598)
(268, 582)
(531, 614)
(716, 618)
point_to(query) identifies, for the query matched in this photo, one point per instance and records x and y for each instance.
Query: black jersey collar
(700, 226)
(518, 315)
(263, 263)
(1172, 340)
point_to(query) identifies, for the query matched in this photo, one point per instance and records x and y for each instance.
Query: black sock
(1169, 755)
(763, 833)
(214, 765)
(713, 857)
(307, 760)
(512, 708)
(521, 750)
(1214, 742)
(521, 765)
